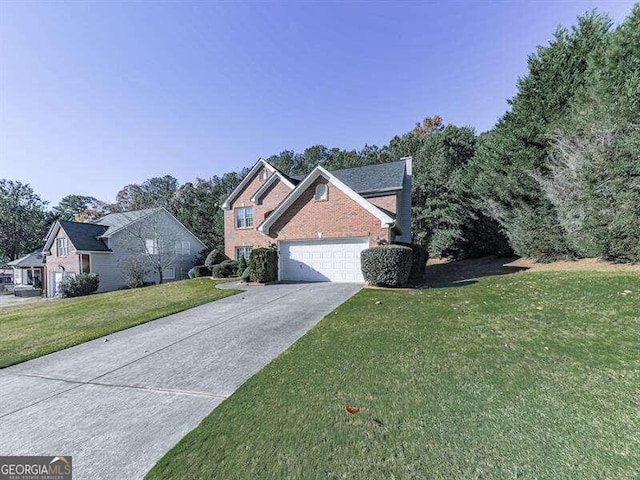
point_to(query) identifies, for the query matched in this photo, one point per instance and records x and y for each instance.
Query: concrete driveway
(117, 406)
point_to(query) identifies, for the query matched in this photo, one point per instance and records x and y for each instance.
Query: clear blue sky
(96, 95)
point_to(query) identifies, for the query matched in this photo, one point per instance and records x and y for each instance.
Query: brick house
(153, 236)
(322, 221)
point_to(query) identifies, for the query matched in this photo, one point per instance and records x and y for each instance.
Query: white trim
(270, 181)
(385, 220)
(252, 173)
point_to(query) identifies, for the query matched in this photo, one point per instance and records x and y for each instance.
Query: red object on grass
(351, 410)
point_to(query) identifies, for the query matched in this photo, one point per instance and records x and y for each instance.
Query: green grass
(34, 330)
(532, 375)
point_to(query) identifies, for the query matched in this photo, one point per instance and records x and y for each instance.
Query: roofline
(380, 190)
(226, 205)
(150, 211)
(204, 245)
(385, 220)
(263, 188)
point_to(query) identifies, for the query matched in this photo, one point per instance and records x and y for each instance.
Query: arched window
(263, 174)
(321, 191)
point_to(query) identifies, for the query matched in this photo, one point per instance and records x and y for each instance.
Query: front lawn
(34, 330)
(531, 375)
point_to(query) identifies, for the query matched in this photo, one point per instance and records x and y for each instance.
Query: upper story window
(321, 191)
(244, 217)
(62, 247)
(183, 248)
(263, 174)
(151, 245)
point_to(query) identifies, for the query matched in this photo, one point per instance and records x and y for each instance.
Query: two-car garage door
(322, 260)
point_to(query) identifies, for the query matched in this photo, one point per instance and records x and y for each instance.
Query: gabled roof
(33, 259)
(83, 236)
(385, 219)
(248, 177)
(271, 181)
(118, 221)
(375, 178)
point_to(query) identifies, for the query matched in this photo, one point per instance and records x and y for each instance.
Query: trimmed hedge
(214, 258)
(418, 264)
(263, 265)
(79, 285)
(387, 266)
(199, 271)
(228, 268)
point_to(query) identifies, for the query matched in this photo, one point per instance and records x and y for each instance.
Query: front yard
(30, 331)
(532, 375)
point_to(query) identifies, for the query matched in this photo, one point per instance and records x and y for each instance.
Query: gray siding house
(153, 236)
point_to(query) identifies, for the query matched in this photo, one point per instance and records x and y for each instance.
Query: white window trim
(244, 249)
(244, 217)
(62, 252)
(325, 194)
(151, 246)
(186, 248)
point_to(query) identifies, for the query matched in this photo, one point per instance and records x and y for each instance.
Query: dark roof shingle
(379, 177)
(84, 236)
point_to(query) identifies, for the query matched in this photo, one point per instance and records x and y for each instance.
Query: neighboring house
(320, 222)
(6, 277)
(29, 270)
(153, 236)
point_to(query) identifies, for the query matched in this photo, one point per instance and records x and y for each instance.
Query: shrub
(79, 285)
(387, 266)
(199, 271)
(228, 268)
(418, 262)
(246, 275)
(242, 265)
(263, 265)
(134, 270)
(214, 258)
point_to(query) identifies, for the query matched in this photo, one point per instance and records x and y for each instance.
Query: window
(244, 217)
(183, 248)
(169, 274)
(62, 249)
(243, 252)
(263, 174)
(151, 245)
(321, 191)
(85, 263)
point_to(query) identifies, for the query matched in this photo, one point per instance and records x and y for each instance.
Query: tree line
(558, 176)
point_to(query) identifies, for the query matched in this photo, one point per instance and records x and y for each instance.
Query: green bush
(242, 264)
(228, 268)
(263, 265)
(418, 262)
(387, 266)
(199, 271)
(214, 258)
(246, 275)
(79, 285)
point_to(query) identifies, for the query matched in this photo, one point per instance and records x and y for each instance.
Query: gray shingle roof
(379, 177)
(116, 221)
(84, 236)
(33, 259)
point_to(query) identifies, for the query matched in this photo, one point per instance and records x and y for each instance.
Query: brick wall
(69, 263)
(387, 202)
(338, 216)
(250, 237)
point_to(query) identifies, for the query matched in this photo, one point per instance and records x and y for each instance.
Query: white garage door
(322, 260)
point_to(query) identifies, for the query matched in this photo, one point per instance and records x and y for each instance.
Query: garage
(334, 260)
